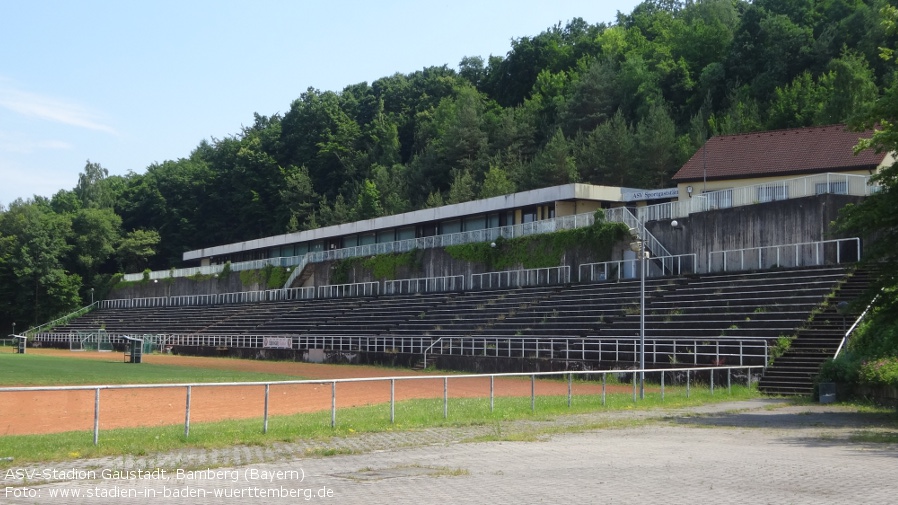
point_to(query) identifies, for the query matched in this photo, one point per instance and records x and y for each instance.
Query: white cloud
(18, 144)
(51, 109)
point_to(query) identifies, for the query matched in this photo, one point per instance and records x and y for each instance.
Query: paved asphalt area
(758, 451)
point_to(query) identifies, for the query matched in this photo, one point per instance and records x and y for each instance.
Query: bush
(883, 371)
(843, 369)
(877, 337)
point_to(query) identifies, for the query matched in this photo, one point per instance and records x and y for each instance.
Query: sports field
(61, 411)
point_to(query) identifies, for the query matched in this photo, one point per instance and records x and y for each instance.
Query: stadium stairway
(795, 371)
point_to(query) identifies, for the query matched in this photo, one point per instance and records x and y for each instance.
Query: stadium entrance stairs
(795, 371)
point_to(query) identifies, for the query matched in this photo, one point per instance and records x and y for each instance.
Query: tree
(875, 216)
(496, 183)
(594, 97)
(41, 286)
(90, 189)
(392, 183)
(367, 205)
(136, 248)
(656, 148)
(552, 166)
(607, 155)
(462, 188)
(95, 235)
(298, 195)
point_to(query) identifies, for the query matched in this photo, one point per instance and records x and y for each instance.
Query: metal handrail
(430, 348)
(797, 246)
(569, 348)
(607, 268)
(854, 326)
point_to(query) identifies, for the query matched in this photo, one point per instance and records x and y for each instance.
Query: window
(448, 227)
(773, 192)
(833, 187)
(528, 215)
(721, 199)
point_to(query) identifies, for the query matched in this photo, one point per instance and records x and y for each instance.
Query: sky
(130, 83)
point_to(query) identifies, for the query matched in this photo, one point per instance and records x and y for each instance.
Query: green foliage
(883, 371)
(340, 271)
(386, 266)
(782, 344)
(843, 369)
(871, 354)
(268, 277)
(541, 251)
(381, 266)
(274, 277)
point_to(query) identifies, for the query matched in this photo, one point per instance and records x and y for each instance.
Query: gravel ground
(757, 451)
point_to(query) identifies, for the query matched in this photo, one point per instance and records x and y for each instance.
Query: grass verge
(38, 370)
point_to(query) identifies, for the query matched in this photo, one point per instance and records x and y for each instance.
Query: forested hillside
(621, 104)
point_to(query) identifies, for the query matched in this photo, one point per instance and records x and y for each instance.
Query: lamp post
(639, 247)
(91, 296)
(13, 327)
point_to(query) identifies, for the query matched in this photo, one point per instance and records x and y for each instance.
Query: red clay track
(54, 412)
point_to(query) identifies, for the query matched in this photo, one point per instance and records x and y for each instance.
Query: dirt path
(54, 412)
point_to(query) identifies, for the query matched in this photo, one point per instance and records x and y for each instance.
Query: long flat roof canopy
(566, 192)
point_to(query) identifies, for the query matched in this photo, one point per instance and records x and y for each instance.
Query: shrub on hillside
(843, 369)
(883, 371)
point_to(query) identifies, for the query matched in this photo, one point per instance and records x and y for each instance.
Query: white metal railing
(658, 350)
(266, 387)
(854, 326)
(785, 255)
(677, 264)
(521, 278)
(349, 290)
(651, 243)
(62, 320)
(485, 235)
(286, 294)
(297, 271)
(800, 187)
(424, 285)
(683, 351)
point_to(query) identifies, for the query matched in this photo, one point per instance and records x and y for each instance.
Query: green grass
(37, 370)
(409, 415)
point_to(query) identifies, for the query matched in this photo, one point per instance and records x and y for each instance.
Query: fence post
(687, 383)
(334, 404)
(97, 417)
(603, 388)
(445, 397)
(570, 379)
(265, 421)
(532, 393)
(392, 401)
(492, 396)
(187, 414)
(662, 386)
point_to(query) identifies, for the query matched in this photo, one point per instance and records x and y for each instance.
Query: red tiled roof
(779, 152)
